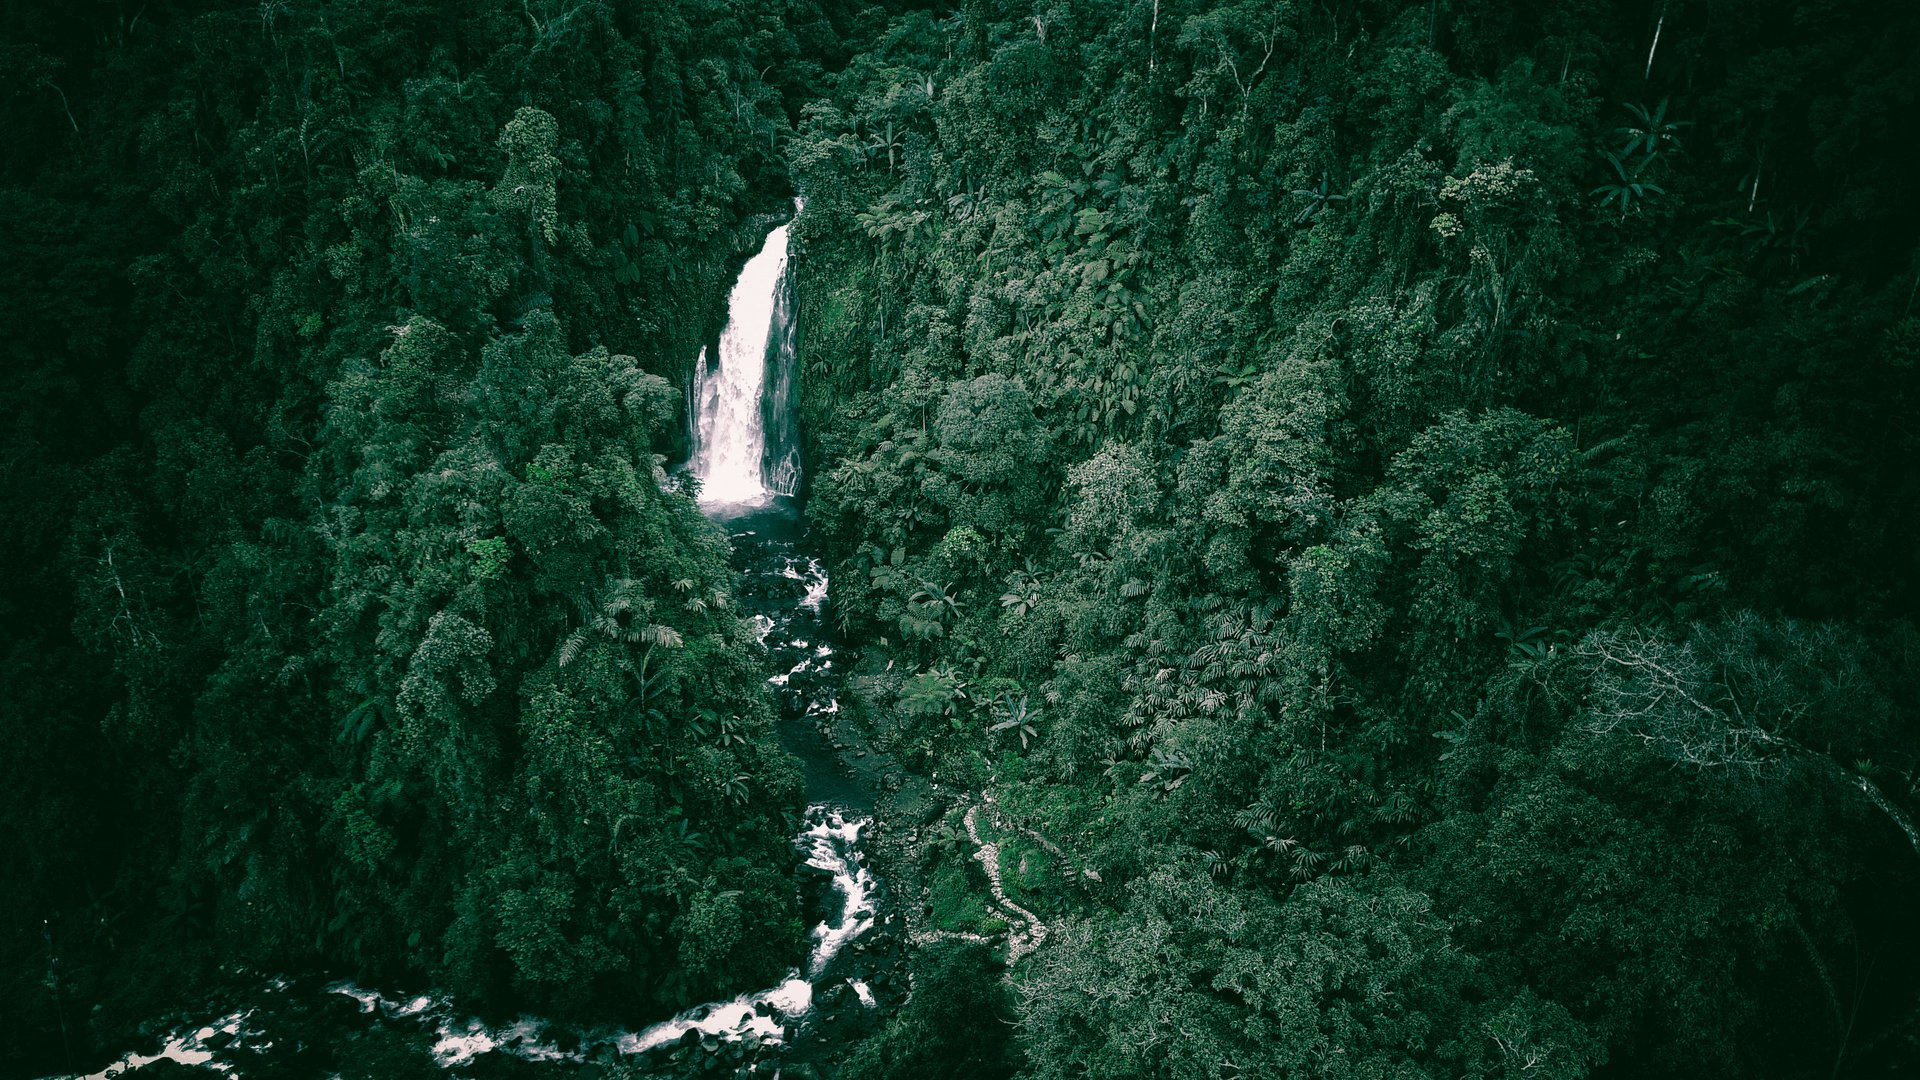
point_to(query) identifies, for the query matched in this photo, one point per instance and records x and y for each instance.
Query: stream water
(747, 459)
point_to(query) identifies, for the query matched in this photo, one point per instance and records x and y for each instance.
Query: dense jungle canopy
(1416, 499)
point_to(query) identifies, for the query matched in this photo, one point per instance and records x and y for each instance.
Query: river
(746, 458)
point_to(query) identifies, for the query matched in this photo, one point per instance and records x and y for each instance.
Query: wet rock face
(745, 439)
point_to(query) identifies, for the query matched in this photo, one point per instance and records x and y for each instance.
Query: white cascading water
(746, 449)
(730, 399)
(831, 842)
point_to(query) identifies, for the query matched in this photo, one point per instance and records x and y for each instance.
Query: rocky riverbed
(858, 840)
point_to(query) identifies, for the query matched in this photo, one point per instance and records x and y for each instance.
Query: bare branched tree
(1709, 704)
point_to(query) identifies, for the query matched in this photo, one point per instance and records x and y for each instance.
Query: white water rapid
(743, 450)
(831, 842)
(454, 1038)
(746, 454)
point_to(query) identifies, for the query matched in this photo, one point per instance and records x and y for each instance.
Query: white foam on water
(459, 1047)
(756, 1014)
(833, 841)
(188, 1049)
(523, 1038)
(830, 841)
(816, 586)
(457, 1039)
(816, 579)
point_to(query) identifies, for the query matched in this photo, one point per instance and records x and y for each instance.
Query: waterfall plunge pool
(746, 455)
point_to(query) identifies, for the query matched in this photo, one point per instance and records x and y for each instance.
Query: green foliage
(489, 558)
(957, 1024)
(1275, 400)
(528, 185)
(386, 644)
(1627, 188)
(1363, 975)
(1423, 529)
(956, 897)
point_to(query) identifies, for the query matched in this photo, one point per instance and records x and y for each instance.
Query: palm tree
(930, 610)
(1627, 186)
(1023, 589)
(1652, 132)
(1020, 717)
(1318, 199)
(618, 618)
(887, 141)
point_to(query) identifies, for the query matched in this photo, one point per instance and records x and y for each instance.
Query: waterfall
(746, 451)
(745, 442)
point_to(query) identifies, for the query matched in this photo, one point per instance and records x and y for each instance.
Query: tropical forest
(947, 539)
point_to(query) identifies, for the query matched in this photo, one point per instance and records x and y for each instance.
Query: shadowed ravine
(851, 974)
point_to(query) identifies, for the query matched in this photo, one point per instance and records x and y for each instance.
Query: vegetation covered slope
(351, 621)
(1410, 501)
(1415, 497)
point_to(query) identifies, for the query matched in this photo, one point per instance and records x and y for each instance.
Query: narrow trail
(1026, 930)
(1002, 821)
(1020, 942)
